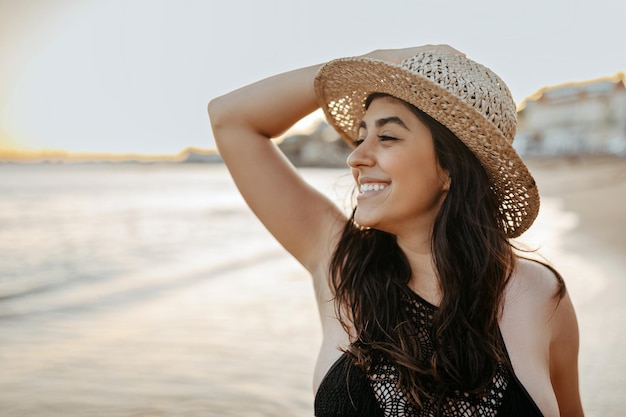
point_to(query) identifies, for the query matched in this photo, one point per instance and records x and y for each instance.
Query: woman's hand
(396, 56)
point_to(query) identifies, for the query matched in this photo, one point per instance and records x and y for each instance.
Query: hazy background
(135, 75)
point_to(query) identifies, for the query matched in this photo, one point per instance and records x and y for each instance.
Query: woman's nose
(362, 155)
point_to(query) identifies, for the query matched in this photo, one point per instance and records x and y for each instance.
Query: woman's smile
(371, 188)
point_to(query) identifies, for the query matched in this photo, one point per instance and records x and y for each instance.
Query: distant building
(195, 155)
(588, 117)
(323, 147)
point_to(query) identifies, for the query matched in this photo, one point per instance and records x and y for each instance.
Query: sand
(594, 189)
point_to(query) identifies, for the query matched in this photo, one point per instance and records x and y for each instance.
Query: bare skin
(540, 332)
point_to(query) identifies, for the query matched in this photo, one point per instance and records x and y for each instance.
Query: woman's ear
(446, 179)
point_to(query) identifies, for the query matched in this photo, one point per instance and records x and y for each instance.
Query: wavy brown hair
(474, 261)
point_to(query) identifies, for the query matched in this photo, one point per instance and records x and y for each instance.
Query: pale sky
(136, 75)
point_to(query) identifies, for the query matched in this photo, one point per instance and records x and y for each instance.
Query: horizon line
(61, 155)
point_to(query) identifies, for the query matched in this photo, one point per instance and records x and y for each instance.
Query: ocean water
(73, 233)
(151, 290)
(148, 290)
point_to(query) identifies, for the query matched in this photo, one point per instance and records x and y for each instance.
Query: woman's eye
(358, 142)
(386, 138)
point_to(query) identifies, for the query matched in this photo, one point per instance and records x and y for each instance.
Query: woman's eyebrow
(384, 121)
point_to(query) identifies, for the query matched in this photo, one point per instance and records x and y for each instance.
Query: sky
(135, 76)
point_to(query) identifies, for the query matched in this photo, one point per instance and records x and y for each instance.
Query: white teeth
(371, 187)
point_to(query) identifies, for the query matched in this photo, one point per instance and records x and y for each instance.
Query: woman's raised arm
(304, 221)
(300, 218)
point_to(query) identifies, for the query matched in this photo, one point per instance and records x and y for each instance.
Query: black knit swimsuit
(347, 391)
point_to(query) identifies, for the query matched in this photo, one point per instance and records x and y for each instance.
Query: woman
(425, 308)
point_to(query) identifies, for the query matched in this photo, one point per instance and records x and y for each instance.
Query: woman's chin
(367, 220)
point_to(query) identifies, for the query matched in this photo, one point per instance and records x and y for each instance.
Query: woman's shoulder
(539, 300)
(537, 279)
(534, 290)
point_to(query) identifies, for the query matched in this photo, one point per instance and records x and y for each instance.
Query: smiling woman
(425, 308)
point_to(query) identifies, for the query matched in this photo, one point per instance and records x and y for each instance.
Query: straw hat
(466, 97)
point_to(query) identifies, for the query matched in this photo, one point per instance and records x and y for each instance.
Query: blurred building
(323, 147)
(587, 117)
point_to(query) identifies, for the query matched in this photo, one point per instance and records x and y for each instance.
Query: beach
(181, 304)
(593, 189)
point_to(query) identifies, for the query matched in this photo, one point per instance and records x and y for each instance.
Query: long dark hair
(473, 260)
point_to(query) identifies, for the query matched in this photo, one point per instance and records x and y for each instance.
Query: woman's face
(401, 185)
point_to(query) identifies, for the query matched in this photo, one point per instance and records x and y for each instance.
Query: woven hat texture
(463, 95)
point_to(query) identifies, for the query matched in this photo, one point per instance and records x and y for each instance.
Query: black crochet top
(347, 391)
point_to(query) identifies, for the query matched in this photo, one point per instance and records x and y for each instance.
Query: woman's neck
(424, 279)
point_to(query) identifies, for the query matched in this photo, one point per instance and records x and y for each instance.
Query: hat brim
(343, 85)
